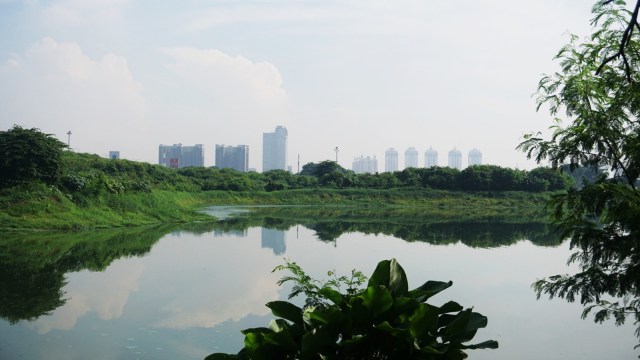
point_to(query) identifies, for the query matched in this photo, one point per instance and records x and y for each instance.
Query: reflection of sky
(192, 294)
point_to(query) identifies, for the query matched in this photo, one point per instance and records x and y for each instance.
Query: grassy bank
(40, 207)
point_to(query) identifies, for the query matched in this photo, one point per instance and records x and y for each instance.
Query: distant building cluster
(454, 159)
(274, 154)
(232, 157)
(178, 156)
(362, 165)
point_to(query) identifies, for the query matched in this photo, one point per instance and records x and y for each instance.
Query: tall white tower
(455, 159)
(274, 149)
(430, 158)
(391, 160)
(411, 158)
(475, 157)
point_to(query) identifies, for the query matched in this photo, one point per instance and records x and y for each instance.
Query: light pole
(69, 140)
(336, 150)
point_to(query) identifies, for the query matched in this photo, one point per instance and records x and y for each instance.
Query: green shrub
(382, 321)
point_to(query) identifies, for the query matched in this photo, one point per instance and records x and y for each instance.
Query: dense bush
(385, 320)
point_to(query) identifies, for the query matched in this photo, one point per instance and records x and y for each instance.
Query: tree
(599, 91)
(28, 155)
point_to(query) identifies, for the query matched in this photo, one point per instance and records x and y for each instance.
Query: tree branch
(626, 37)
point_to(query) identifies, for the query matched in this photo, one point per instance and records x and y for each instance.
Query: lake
(185, 292)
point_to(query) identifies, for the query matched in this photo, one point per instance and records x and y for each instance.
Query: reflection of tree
(410, 224)
(32, 266)
(27, 293)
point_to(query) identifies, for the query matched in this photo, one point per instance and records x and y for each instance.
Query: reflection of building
(455, 159)
(430, 158)
(178, 156)
(234, 157)
(236, 233)
(274, 149)
(475, 157)
(391, 160)
(363, 165)
(274, 239)
(114, 155)
(411, 158)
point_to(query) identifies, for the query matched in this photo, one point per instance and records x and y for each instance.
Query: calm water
(183, 294)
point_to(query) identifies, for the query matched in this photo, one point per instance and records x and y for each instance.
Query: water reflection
(407, 224)
(274, 239)
(166, 292)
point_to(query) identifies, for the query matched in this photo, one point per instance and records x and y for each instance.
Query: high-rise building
(274, 149)
(391, 160)
(455, 159)
(233, 157)
(114, 155)
(178, 156)
(411, 158)
(363, 165)
(430, 158)
(475, 157)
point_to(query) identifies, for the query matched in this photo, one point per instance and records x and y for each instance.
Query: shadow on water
(33, 265)
(409, 224)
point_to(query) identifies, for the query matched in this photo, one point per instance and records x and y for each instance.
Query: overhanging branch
(626, 38)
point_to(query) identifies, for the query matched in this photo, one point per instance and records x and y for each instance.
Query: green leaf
(332, 295)
(390, 274)
(286, 310)
(489, 344)
(377, 299)
(424, 321)
(450, 307)
(429, 289)
(220, 356)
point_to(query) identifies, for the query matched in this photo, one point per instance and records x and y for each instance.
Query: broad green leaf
(220, 356)
(450, 307)
(332, 295)
(489, 344)
(377, 299)
(390, 274)
(429, 289)
(286, 310)
(257, 330)
(424, 321)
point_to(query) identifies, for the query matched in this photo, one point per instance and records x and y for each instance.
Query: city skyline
(119, 76)
(237, 157)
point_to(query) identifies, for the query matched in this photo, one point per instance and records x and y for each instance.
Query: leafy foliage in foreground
(385, 320)
(599, 89)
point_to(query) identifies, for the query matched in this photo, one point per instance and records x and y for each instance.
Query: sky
(363, 76)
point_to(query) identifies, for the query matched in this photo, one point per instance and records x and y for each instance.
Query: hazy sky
(361, 75)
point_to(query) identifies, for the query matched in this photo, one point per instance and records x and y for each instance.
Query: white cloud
(228, 99)
(106, 293)
(56, 87)
(228, 79)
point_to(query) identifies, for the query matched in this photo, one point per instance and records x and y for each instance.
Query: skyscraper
(274, 149)
(233, 157)
(430, 158)
(411, 158)
(363, 165)
(475, 157)
(455, 159)
(178, 156)
(391, 160)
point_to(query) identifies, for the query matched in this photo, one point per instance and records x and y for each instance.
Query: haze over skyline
(364, 76)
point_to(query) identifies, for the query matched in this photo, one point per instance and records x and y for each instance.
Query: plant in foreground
(385, 320)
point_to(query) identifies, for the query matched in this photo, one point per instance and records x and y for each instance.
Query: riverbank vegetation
(44, 186)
